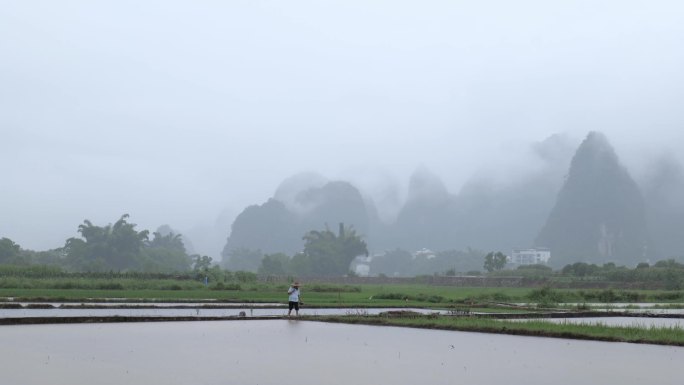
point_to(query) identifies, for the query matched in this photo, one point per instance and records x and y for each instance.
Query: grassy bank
(655, 335)
(312, 294)
(363, 295)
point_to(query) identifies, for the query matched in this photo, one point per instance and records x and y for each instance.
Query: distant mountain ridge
(582, 203)
(664, 194)
(599, 215)
(276, 226)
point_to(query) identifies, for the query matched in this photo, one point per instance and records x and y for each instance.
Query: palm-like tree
(330, 253)
(108, 247)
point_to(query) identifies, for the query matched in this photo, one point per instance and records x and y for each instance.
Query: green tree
(274, 264)
(53, 257)
(112, 247)
(580, 269)
(301, 264)
(669, 264)
(393, 263)
(10, 252)
(494, 261)
(165, 253)
(242, 259)
(169, 241)
(201, 263)
(327, 253)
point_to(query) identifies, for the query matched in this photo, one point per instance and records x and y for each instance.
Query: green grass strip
(653, 335)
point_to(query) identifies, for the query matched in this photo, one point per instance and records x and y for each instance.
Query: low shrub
(226, 286)
(110, 286)
(496, 296)
(406, 297)
(400, 296)
(245, 276)
(672, 296)
(333, 289)
(546, 295)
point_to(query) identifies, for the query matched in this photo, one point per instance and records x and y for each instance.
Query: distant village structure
(424, 253)
(534, 256)
(361, 265)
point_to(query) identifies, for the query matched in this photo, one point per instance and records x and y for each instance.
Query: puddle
(302, 353)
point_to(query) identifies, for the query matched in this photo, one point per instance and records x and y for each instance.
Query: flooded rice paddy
(168, 311)
(303, 352)
(639, 322)
(22, 310)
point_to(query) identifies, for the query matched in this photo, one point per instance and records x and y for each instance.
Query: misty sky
(177, 111)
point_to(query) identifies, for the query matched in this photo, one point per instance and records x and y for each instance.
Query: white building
(362, 270)
(536, 256)
(361, 265)
(424, 253)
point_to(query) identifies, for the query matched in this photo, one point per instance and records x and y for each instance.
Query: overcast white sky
(173, 111)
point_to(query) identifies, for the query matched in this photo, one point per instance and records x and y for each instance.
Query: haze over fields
(184, 113)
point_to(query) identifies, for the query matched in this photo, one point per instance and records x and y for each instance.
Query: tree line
(120, 247)
(325, 253)
(113, 247)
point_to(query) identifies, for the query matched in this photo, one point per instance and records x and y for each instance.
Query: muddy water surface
(302, 352)
(187, 312)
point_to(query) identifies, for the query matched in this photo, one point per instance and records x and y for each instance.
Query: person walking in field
(293, 298)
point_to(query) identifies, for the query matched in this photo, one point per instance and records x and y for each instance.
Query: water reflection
(301, 352)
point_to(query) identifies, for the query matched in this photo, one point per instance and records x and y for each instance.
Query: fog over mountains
(664, 199)
(187, 113)
(578, 200)
(599, 215)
